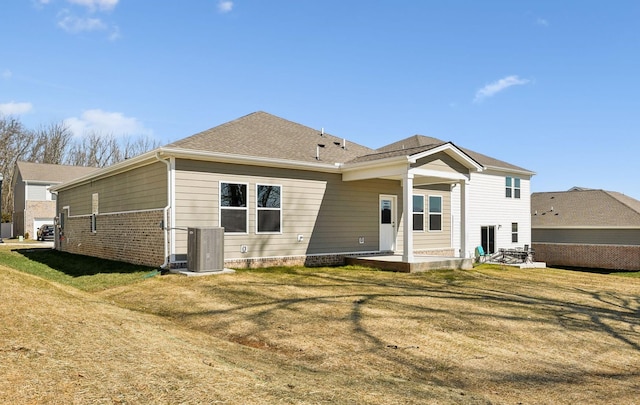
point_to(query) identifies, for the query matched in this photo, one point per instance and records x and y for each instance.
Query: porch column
(407, 218)
(464, 240)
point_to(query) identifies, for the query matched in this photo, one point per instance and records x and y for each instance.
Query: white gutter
(508, 170)
(248, 160)
(112, 170)
(165, 211)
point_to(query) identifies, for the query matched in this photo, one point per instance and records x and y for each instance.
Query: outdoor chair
(481, 255)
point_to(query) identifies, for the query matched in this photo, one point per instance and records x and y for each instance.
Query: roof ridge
(403, 149)
(612, 195)
(49, 164)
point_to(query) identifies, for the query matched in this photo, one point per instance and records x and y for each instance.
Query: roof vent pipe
(320, 145)
(344, 144)
(322, 131)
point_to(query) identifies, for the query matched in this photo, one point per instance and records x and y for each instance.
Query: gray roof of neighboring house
(418, 141)
(581, 207)
(50, 173)
(264, 135)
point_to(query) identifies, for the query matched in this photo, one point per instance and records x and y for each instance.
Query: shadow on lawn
(77, 265)
(614, 315)
(362, 317)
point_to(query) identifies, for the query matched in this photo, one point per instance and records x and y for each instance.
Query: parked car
(46, 232)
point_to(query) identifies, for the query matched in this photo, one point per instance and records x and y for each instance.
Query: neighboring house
(33, 203)
(289, 194)
(586, 228)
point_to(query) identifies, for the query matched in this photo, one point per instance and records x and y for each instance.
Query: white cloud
(114, 123)
(493, 88)
(225, 6)
(115, 33)
(74, 24)
(6, 74)
(93, 5)
(40, 4)
(75, 20)
(13, 108)
(542, 21)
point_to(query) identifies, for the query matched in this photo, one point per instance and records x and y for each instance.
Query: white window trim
(268, 209)
(220, 207)
(513, 187)
(424, 214)
(441, 213)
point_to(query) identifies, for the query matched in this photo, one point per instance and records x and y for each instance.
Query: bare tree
(15, 140)
(51, 144)
(136, 146)
(56, 144)
(100, 150)
(94, 149)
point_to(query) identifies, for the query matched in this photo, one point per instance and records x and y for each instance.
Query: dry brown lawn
(315, 336)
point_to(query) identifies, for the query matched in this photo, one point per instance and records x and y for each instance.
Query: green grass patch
(82, 272)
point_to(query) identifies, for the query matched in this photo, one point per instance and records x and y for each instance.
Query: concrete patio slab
(419, 264)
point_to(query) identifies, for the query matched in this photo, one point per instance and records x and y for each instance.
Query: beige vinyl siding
(330, 214)
(141, 188)
(434, 239)
(440, 162)
(587, 236)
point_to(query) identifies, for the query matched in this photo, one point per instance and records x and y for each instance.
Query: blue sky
(551, 86)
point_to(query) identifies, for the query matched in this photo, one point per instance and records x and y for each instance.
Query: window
(94, 223)
(435, 213)
(269, 209)
(233, 207)
(418, 213)
(61, 220)
(512, 187)
(514, 232)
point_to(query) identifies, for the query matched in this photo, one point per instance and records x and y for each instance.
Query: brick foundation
(613, 257)
(128, 237)
(444, 252)
(309, 261)
(313, 260)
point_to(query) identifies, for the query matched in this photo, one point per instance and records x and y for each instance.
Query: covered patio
(396, 262)
(442, 164)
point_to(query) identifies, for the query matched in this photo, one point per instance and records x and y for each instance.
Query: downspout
(165, 210)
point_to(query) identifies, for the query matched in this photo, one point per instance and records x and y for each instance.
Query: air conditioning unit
(205, 249)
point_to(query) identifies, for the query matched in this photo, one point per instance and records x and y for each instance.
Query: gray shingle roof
(581, 207)
(264, 135)
(52, 174)
(412, 142)
(417, 141)
(392, 153)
